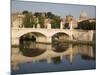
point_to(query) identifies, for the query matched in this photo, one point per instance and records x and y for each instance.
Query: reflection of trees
(56, 60)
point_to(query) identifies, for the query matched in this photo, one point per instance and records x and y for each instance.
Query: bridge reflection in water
(52, 57)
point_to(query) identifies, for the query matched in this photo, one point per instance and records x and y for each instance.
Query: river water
(32, 57)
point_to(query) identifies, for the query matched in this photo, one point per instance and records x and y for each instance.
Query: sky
(57, 9)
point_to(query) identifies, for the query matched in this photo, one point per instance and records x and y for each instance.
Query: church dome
(83, 16)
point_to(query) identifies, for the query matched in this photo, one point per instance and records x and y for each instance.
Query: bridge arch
(63, 35)
(23, 33)
(60, 32)
(39, 37)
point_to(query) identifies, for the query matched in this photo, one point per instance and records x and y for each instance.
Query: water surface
(32, 57)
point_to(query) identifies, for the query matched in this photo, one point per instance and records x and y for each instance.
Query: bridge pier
(71, 54)
(91, 52)
(91, 35)
(61, 57)
(15, 41)
(49, 40)
(61, 25)
(48, 47)
(49, 60)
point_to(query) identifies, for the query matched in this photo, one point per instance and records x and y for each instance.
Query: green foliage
(56, 22)
(41, 21)
(86, 25)
(41, 18)
(25, 12)
(57, 60)
(28, 20)
(55, 19)
(37, 14)
(50, 15)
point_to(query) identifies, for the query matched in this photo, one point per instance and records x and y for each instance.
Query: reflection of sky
(59, 9)
(65, 65)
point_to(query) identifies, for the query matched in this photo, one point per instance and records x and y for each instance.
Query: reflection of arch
(32, 52)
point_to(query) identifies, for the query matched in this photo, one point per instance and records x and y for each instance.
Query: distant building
(83, 16)
(92, 20)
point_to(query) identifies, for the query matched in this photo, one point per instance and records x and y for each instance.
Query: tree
(87, 25)
(28, 19)
(37, 14)
(56, 22)
(50, 15)
(25, 12)
(40, 17)
(41, 21)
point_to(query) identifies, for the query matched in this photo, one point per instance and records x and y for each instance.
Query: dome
(83, 15)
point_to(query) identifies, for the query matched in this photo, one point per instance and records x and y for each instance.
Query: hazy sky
(58, 9)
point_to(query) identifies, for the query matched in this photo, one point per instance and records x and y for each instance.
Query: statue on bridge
(47, 23)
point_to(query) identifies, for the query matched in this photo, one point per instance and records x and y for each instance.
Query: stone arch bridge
(45, 35)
